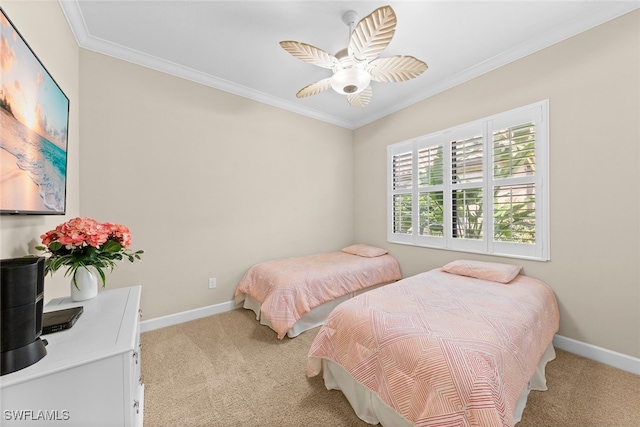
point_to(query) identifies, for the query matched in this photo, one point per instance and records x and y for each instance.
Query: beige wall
(592, 82)
(209, 183)
(45, 28)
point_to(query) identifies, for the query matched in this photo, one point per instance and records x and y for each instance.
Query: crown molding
(572, 28)
(78, 26)
(604, 13)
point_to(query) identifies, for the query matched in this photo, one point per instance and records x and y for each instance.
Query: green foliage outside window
(513, 204)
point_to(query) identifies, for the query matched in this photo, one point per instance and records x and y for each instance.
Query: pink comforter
(289, 288)
(442, 349)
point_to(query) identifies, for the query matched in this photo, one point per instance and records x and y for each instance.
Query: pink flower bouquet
(84, 242)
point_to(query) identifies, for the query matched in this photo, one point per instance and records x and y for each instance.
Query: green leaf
(111, 246)
(102, 276)
(55, 246)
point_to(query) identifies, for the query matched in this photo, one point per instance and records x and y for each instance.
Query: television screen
(34, 118)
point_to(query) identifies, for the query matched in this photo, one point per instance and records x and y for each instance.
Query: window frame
(538, 113)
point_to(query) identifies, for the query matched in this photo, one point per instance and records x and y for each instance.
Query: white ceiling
(233, 45)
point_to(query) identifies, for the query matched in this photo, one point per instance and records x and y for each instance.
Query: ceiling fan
(357, 65)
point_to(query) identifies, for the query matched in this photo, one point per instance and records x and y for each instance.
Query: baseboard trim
(599, 354)
(185, 316)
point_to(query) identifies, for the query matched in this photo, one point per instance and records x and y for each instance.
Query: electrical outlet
(212, 282)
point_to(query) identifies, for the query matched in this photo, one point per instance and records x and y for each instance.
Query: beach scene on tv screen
(34, 120)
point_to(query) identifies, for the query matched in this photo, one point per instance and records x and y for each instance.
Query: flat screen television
(34, 118)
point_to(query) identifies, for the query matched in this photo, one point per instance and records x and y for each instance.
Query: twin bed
(292, 295)
(460, 345)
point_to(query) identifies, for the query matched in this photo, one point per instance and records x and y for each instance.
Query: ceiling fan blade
(396, 68)
(372, 34)
(361, 99)
(314, 88)
(310, 54)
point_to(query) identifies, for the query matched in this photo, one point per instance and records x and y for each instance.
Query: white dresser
(91, 373)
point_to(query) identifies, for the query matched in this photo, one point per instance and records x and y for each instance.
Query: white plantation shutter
(402, 214)
(478, 187)
(519, 141)
(467, 167)
(514, 213)
(402, 171)
(430, 192)
(467, 156)
(514, 151)
(430, 167)
(514, 170)
(401, 208)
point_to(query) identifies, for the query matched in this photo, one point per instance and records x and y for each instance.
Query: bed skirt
(314, 318)
(371, 409)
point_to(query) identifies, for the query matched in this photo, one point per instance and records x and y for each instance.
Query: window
(479, 187)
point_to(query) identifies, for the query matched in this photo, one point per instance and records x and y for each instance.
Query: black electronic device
(59, 320)
(21, 306)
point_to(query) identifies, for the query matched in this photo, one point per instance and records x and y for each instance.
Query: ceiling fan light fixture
(355, 66)
(350, 81)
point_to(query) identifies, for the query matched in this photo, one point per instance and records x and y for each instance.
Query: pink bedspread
(288, 288)
(442, 349)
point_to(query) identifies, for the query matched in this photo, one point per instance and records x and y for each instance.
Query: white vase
(85, 286)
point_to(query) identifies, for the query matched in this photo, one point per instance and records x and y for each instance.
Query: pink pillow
(364, 250)
(496, 272)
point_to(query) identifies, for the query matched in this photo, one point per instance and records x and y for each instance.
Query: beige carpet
(227, 370)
